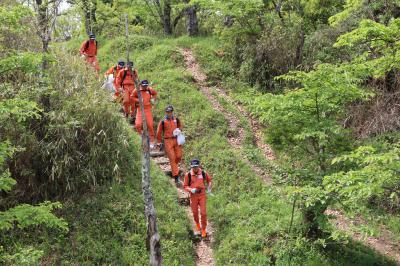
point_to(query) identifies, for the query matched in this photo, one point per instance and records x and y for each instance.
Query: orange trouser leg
(93, 62)
(194, 204)
(203, 211)
(149, 121)
(139, 121)
(169, 145)
(150, 124)
(196, 201)
(129, 104)
(178, 152)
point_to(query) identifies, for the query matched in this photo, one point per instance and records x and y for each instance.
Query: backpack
(87, 45)
(162, 123)
(124, 76)
(203, 173)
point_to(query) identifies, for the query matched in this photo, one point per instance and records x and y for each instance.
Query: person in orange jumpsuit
(125, 83)
(114, 71)
(167, 126)
(89, 51)
(149, 96)
(195, 183)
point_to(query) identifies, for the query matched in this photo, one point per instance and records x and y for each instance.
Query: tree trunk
(166, 19)
(312, 217)
(192, 22)
(153, 238)
(228, 21)
(299, 49)
(89, 10)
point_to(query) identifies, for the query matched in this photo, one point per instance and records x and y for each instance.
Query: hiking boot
(132, 120)
(178, 182)
(203, 233)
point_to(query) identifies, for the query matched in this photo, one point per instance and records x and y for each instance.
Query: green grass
(108, 226)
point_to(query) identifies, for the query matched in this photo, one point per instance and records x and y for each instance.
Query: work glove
(153, 101)
(83, 56)
(193, 190)
(176, 132)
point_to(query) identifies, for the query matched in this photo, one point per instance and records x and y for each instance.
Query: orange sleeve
(153, 92)
(109, 71)
(159, 132)
(82, 50)
(186, 183)
(135, 96)
(118, 79)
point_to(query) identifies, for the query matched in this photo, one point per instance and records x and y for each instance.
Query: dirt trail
(203, 247)
(383, 244)
(236, 133)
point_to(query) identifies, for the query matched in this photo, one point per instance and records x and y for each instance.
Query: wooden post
(153, 238)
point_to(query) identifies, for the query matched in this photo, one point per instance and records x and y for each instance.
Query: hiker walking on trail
(89, 51)
(195, 183)
(125, 83)
(149, 97)
(114, 72)
(171, 126)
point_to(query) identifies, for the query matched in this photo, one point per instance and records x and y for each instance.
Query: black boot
(178, 182)
(132, 120)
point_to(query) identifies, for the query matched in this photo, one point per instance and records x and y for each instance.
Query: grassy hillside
(251, 219)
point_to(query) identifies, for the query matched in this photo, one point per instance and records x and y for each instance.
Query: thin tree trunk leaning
(153, 238)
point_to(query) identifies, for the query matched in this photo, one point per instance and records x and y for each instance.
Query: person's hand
(153, 101)
(83, 56)
(193, 190)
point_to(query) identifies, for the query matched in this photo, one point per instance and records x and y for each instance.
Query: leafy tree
(306, 122)
(372, 175)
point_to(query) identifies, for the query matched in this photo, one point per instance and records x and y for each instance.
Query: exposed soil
(236, 133)
(384, 243)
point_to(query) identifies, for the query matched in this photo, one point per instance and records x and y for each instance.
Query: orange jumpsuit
(199, 198)
(147, 94)
(114, 70)
(90, 53)
(172, 149)
(128, 86)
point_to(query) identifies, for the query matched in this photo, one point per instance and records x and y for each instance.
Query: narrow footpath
(384, 243)
(235, 140)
